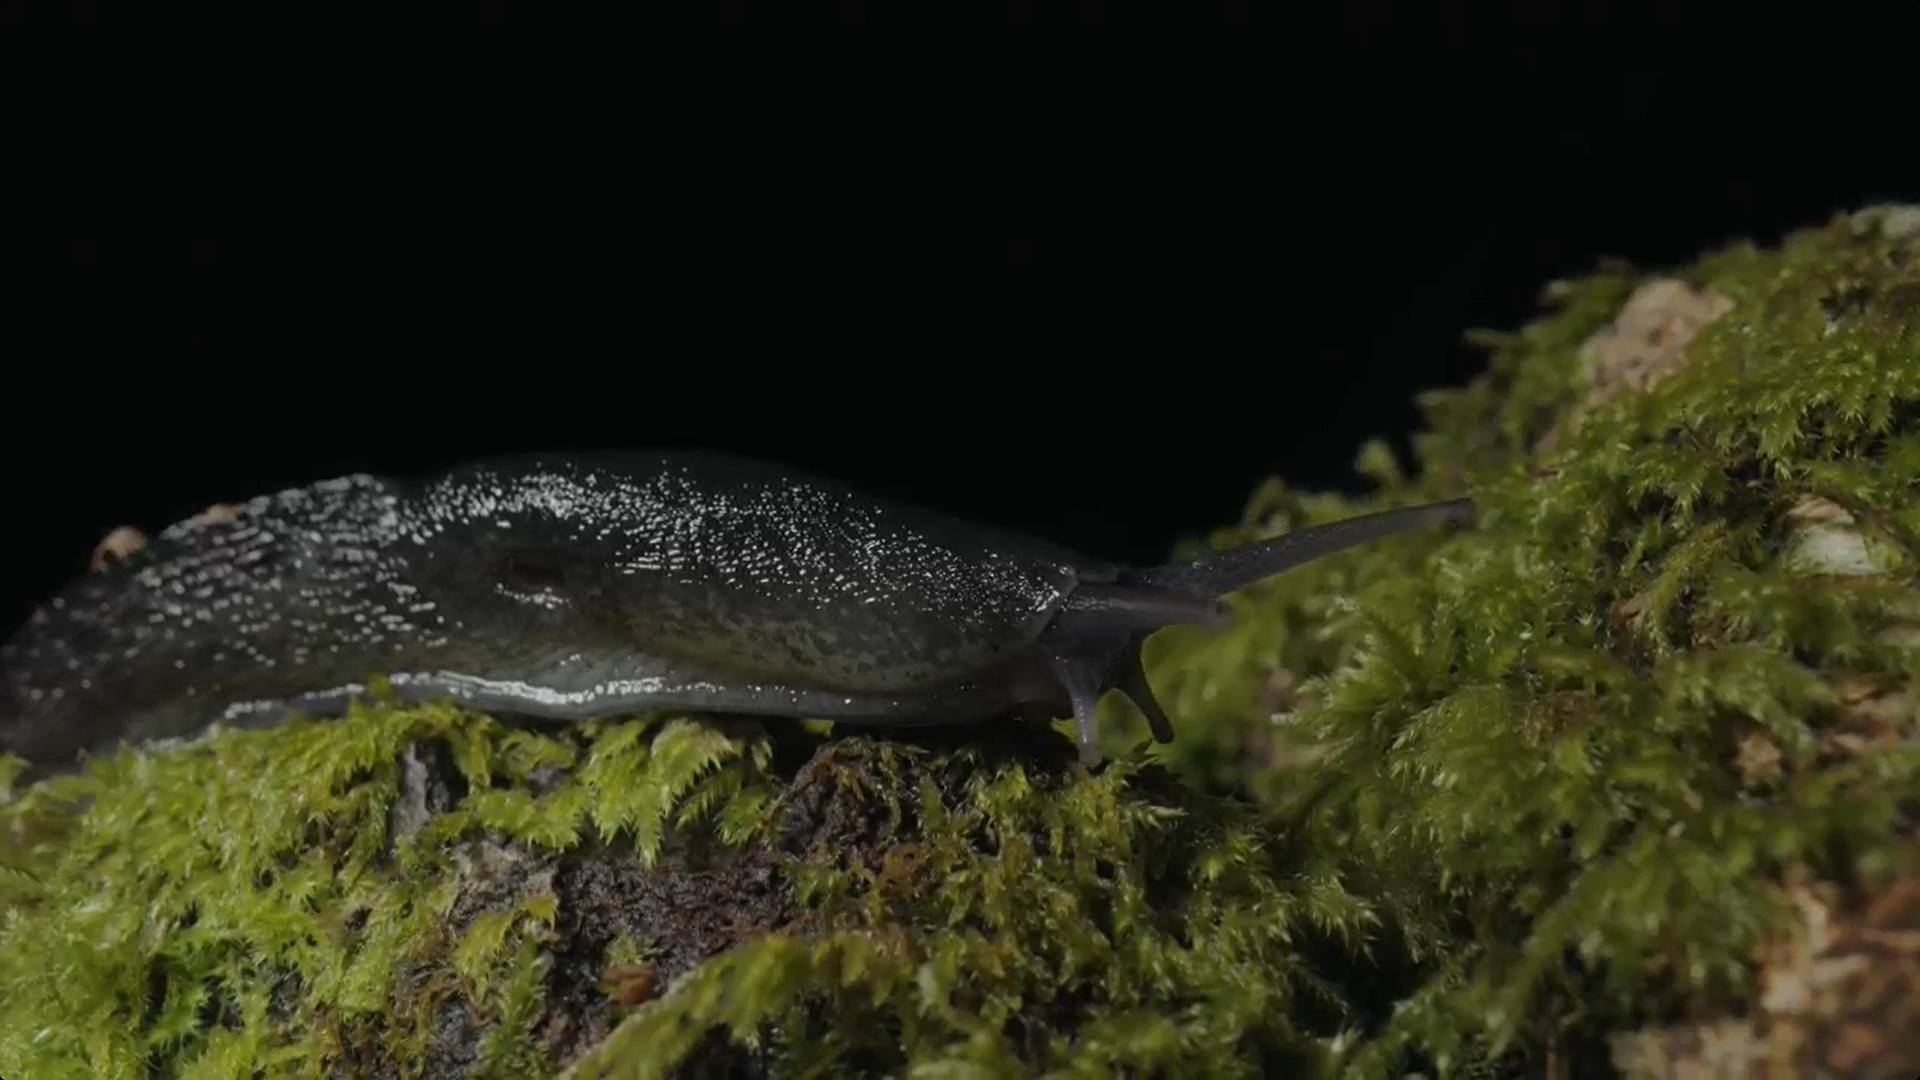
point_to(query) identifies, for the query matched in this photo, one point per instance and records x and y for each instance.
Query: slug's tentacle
(1095, 640)
(1110, 622)
(1131, 680)
(1221, 572)
(1132, 607)
(1081, 678)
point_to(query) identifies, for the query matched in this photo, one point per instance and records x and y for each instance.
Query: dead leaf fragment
(117, 547)
(1840, 996)
(1645, 343)
(629, 984)
(1758, 761)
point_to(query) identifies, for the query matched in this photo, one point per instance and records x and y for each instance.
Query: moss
(306, 924)
(1502, 802)
(1530, 739)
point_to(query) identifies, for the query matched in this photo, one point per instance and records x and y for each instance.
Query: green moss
(1003, 913)
(1529, 738)
(1451, 803)
(247, 903)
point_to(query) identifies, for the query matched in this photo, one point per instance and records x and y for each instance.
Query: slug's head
(1093, 643)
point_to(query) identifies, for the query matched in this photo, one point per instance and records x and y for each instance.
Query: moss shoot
(1621, 778)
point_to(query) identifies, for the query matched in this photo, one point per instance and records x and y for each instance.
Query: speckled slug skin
(548, 585)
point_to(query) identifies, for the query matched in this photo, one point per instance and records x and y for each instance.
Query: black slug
(569, 587)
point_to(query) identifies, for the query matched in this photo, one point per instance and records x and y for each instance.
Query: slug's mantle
(1623, 775)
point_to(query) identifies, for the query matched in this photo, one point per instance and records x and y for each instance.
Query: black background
(1082, 268)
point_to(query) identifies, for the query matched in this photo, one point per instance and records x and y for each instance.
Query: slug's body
(570, 587)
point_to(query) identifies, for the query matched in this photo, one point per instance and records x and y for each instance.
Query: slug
(568, 587)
